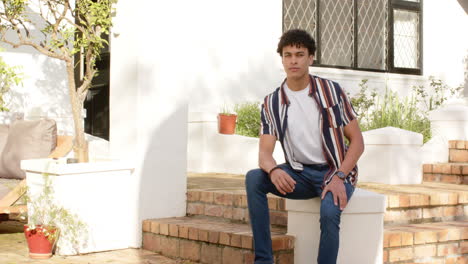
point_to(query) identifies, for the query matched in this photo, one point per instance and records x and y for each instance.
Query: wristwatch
(341, 175)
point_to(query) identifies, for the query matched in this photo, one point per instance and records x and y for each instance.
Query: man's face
(296, 61)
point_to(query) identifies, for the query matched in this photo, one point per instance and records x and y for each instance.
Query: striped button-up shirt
(335, 113)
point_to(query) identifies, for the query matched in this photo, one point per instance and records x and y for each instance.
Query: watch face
(341, 175)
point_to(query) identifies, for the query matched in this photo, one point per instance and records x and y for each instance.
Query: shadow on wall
(163, 181)
(260, 77)
(44, 88)
(37, 35)
(465, 91)
(53, 85)
(44, 91)
(14, 99)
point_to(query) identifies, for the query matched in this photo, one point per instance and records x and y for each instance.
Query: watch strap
(341, 175)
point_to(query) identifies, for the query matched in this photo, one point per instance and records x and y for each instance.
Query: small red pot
(227, 124)
(40, 246)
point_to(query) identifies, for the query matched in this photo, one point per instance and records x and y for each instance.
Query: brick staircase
(424, 223)
(456, 171)
(216, 230)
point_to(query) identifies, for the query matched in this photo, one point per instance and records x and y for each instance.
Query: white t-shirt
(304, 127)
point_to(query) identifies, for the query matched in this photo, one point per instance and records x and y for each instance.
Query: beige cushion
(3, 139)
(27, 140)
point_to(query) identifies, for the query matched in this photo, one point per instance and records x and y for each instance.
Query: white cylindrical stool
(361, 228)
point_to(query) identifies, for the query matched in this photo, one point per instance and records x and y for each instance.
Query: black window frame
(406, 6)
(389, 63)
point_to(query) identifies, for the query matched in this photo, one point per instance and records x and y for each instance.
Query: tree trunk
(80, 146)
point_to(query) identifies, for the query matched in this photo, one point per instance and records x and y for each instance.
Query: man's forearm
(355, 150)
(266, 162)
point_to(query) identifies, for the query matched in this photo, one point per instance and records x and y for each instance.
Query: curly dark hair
(297, 37)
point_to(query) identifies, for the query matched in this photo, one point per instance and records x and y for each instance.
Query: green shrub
(441, 92)
(410, 113)
(363, 101)
(248, 119)
(401, 113)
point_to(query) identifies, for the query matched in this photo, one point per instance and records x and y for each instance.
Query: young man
(311, 117)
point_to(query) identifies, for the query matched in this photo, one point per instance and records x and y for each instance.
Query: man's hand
(282, 181)
(337, 188)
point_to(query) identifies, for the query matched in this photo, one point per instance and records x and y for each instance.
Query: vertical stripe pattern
(336, 113)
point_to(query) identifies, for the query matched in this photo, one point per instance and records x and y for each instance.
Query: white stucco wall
(208, 151)
(243, 64)
(150, 75)
(235, 52)
(44, 92)
(445, 45)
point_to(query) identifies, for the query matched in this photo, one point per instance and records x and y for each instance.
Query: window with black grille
(374, 35)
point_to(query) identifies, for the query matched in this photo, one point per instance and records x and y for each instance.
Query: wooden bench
(7, 202)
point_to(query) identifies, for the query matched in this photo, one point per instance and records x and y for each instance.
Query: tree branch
(80, 28)
(89, 72)
(53, 11)
(24, 28)
(28, 42)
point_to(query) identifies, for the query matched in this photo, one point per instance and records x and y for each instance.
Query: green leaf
(248, 119)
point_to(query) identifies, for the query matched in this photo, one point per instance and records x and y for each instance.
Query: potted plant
(248, 119)
(72, 32)
(226, 121)
(94, 191)
(49, 223)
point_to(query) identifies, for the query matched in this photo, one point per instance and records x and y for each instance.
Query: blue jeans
(308, 185)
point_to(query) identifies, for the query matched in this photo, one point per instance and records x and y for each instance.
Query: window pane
(336, 23)
(372, 34)
(300, 14)
(406, 39)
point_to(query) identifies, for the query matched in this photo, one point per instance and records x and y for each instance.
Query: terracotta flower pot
(227, 124)
(40, 246)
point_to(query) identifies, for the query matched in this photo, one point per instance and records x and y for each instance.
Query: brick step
(443, 242)
(405, 203)
(458, 151)
(232, 204)
(422, 203)
(211, 240)
(455, 173)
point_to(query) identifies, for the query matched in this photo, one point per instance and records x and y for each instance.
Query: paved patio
(14, 250)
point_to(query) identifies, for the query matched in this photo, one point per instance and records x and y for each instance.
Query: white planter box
(361, 229)
(447, 123)
(209, 151)
(450, 122)
(391, 156)
(98, 192)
